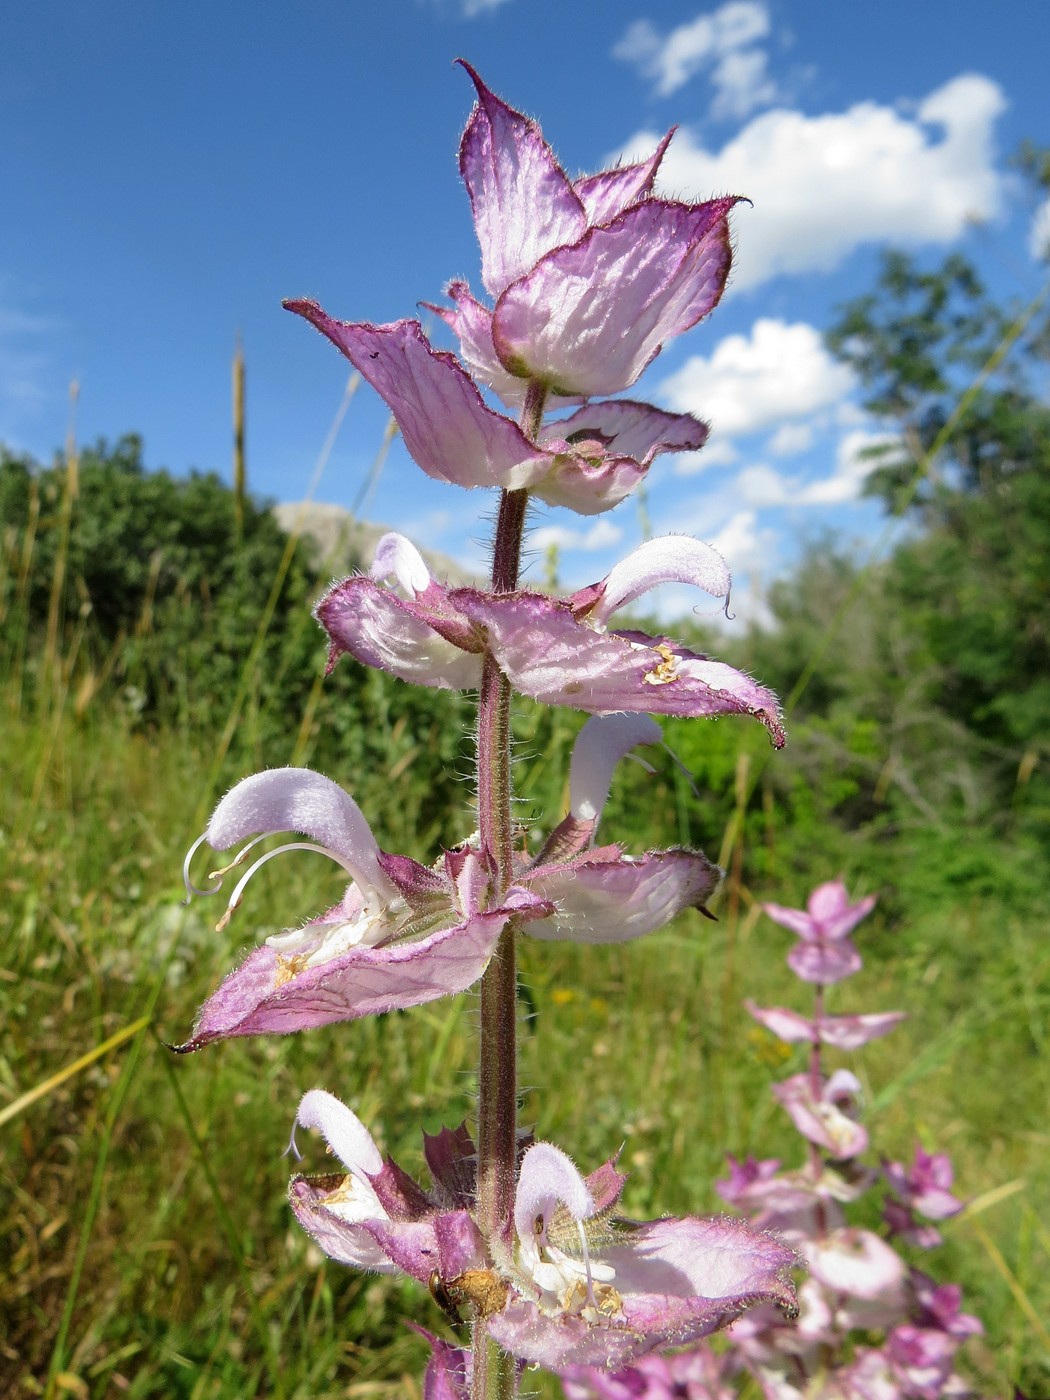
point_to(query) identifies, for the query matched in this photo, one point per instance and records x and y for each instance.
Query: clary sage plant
(586, 279)
(873, 1325)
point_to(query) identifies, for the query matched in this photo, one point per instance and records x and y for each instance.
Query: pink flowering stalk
(586, 279)
(872, 1324)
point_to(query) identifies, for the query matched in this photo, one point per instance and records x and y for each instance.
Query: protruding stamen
(586, 1252)
(238, 859)
(235, 898)
(191, 888)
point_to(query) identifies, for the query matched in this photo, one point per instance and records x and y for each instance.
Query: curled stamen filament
(238, 859)
(292, 1150)
(238, 892)
(191, 888)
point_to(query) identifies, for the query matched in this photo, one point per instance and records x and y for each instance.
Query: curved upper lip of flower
(400, 936)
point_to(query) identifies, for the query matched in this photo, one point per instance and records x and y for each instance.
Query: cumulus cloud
(721, 42)
(823, 185)
(716, 452)
(1039, 233)
(760, 486)
(751, 383)
(601, 535)
(471, 8)
(854, 463)
(791, 438)
(24, 362)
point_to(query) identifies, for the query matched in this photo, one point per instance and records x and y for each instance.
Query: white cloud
(761, 486)
(721, 41)
(852, 469)
(601, 535)
(823, 185)
(1039, 234)
(717, 452)
(24, 364)
(742, 83)
(791, 438)
(750, 383)
(472, 8)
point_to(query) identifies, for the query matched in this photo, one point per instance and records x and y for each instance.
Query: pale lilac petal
(342, 1130)
(824, 962)
(600, 745)
(823, 1120)
(667, 559)
(832, 912)
(298, 799)
(613, 901)
(797, 920)
(605, 449)
(271, 994)
(631, 429)
(694, 1257)
(927, 1185)
(338, 1229)
(843, 1032)
(444, 421)
(610, 192)
(587, 484)
(396, 557)
(679, 1280)
(922, 1358)
(548, 655)
(858, 1263)
(522, 201)
(377, 628)
(590, 316)
(744, 1175)
(787, 1025)
(472, 324)
(548, 1178)
(850, 1032)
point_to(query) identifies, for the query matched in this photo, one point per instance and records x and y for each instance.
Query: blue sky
(170, 172)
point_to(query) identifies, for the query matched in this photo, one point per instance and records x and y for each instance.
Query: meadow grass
(147, 1247)
(146, 1234)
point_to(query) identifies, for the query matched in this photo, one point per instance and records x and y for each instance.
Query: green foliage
(165, 609)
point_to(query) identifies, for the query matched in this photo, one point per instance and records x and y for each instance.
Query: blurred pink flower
(825, 953)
